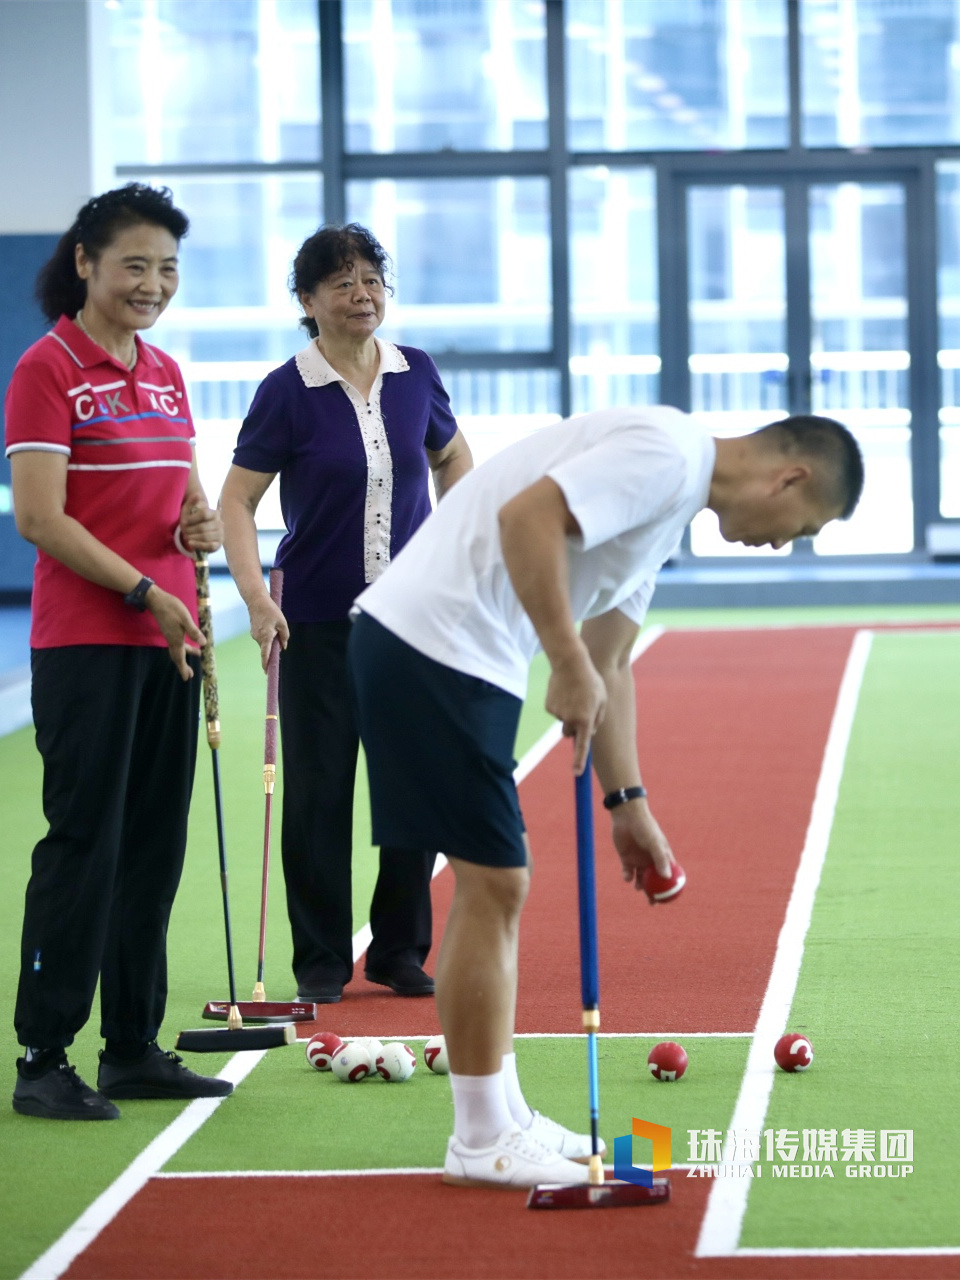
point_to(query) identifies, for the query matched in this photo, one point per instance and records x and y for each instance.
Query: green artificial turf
(288, 1116)
(861, 615)
(898, 809)
(879, 986)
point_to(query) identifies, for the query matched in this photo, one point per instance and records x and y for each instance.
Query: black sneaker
(53, 1090)
(320, 991)
(156, 1075)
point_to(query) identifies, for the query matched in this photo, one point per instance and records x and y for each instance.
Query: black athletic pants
(320, 743)
(117, 730)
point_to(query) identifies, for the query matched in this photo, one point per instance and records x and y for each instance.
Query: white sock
(480, 1110)
(517, 1103)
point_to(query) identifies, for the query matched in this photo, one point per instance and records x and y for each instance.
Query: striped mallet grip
(211, 698)
(273, 693)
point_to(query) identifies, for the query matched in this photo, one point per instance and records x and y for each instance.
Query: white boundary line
(603, 1035)
(727, 1204)
(918, 1251)
(108, 1204)
(52, 1264)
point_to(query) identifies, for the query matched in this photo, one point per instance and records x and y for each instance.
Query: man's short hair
(828, 444)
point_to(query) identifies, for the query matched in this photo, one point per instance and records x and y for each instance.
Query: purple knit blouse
(311, 436)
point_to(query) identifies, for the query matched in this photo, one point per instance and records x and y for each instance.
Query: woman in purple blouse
(354, 426)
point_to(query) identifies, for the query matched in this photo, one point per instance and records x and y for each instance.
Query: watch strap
(137, 598)
(613, 799)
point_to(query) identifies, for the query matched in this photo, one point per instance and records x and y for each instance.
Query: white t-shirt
(632, 478)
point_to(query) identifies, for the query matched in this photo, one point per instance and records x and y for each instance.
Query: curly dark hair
(327, 251)
(59, 290)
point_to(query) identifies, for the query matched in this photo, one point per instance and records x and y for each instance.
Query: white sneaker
(516, 1159)
(570, 1145)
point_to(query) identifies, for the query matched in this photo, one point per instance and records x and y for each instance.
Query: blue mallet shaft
(589, 962)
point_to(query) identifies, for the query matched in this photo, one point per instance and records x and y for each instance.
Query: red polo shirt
(128, 438)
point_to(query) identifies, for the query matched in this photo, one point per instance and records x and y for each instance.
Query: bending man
(568, 525)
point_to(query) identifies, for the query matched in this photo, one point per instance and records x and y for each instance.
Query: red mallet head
(322, 1049)
(667, 1060)
(660, 888)
(793, 1053)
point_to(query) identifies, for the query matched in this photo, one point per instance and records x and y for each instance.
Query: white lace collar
(316, 370)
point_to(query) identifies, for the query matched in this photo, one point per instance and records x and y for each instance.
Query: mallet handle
(273, 691)
(269, 777)
(589, 958)
(208, 661)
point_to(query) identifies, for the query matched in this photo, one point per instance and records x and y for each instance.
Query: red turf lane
(734, 726)
(732, 729)
(414, 1228)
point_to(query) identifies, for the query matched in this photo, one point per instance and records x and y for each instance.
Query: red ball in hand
(793, 1053)
(667, 1060)
(660, 888)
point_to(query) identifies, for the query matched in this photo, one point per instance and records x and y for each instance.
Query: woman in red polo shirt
(105, 484)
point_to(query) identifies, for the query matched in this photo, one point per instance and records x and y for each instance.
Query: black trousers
(117, 730)
(320, 743)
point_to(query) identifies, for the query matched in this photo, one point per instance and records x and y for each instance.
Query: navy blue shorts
(439, 747)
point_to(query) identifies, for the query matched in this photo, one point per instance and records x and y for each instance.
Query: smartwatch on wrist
(616, 798)
(138, 596)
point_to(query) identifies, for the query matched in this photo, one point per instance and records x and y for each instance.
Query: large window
(880, 73)
(725, 205)
(462, 74)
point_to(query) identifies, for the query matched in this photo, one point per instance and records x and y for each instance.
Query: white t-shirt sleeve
(625, 481)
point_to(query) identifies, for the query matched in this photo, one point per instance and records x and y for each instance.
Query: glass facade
(639, 249)
(433, 75)
(471, 256)
(948, 297)
(214, 81)
(880, 73)
(689, 75)
(615, 340)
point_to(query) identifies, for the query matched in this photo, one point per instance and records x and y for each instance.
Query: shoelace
(73, 1079)
(171, 1057)
(546, 1123)
(524, 1144)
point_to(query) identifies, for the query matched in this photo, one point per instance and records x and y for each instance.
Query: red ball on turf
(322, 1048)
(793, 1053)
(660, 888)
(667, 1060)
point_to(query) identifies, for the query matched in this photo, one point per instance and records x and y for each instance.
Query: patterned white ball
(373, 1045)
(435, 1055)
(397, 1061)
(322, 1048)
(353, 1063)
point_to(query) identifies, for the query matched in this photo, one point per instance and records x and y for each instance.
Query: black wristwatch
(138, 596)
(616, 798)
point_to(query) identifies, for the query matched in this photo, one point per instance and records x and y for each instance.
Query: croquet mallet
(598, 1193)
(235, 1035)
(260, 1009)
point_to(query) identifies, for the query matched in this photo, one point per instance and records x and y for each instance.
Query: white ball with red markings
(793, 1053)
(373, 1045)
(322, 1048)
(435, 1055)
(396, 1062)
(353, 1063)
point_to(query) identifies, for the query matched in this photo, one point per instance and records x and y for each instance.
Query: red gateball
(660, 888)
(667, 1060)
(322, 1048)
(793, 1053)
